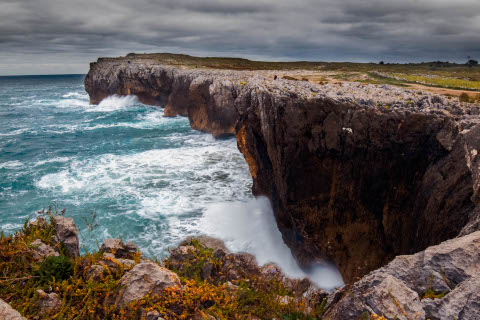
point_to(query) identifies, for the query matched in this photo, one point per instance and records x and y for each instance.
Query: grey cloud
(38, 34)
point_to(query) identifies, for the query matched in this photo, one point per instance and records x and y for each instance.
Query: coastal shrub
(431, 293)
(55, 269)
(83, 297)
(464, 97)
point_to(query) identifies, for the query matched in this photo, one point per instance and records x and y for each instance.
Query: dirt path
(444, 91)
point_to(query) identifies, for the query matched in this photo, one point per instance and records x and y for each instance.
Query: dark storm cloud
(45, 36)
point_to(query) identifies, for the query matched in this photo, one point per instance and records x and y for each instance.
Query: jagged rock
(463, 303)
(131, 248)
(48, 302)
(8, 313)
(41, 250)
(146, 278)
(112, 245)
(118, 248)
(66, 232)
(397, 289)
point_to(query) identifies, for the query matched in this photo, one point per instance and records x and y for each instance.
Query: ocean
(146, 178)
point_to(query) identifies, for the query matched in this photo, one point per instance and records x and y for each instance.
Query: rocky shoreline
(396, 168)
(439, 283)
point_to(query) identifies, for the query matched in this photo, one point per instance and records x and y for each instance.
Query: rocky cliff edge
(356, 173)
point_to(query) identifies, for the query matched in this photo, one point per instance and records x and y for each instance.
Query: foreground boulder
(146, 278)
(67, 233)
(7, 313)
(439, 283)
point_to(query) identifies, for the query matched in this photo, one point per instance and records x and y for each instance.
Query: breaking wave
(251, 227)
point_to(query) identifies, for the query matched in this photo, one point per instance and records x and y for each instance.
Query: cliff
(357, 174)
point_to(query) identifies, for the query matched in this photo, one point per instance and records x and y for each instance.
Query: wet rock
(146, 278)
(66, 232)
(41, 250)
(8, 313)
(48, 302)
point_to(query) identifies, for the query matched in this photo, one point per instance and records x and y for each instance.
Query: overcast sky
(63, 36)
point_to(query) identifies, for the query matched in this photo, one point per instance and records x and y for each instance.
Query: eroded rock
(398, 289)
(118, 248)
(66, 232)
(41, 250)
(146, 278)
(48, 302)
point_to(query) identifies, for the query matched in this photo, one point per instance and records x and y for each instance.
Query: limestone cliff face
(356, 174)
(355, 184)
(196, 94)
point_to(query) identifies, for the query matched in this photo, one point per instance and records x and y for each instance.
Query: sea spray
(251, 227)
(114, 103)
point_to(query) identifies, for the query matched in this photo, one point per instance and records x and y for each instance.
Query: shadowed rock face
(356, 174)
(451, 268)
(354, 184)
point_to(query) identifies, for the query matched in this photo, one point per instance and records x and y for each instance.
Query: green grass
(434, 74)
(444, 82)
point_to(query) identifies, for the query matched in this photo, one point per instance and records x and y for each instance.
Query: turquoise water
(148, 178)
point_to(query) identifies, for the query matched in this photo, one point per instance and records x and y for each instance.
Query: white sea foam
(70, 103)
(251, 227)
(114, 103)
(147, 121)
(15, 164)
(76, 94)
(14, 133)
(173, 185)
(53, 160)
(9, 227)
